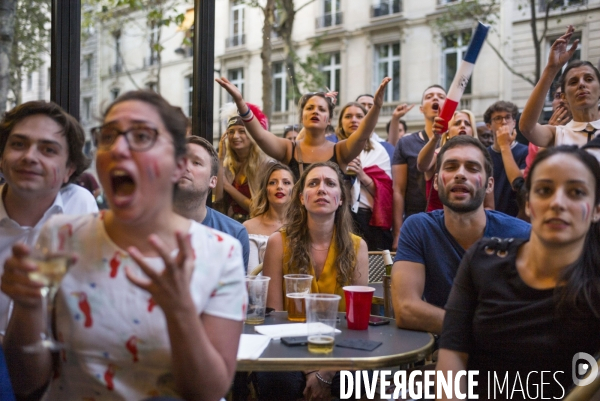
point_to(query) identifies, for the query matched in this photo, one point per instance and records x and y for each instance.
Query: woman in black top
(316, 112)
(521, 308)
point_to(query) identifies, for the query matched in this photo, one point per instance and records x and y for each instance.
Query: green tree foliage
(30, 43)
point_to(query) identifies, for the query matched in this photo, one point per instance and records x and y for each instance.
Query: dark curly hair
(71, 129)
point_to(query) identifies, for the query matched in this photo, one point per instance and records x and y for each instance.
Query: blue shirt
(6, 392)
(406, 152)
(220, 222)
(505, 199)
(425, 239)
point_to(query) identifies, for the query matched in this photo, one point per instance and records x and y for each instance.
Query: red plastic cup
(358, 306)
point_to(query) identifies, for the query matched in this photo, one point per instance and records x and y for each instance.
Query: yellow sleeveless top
(327, 282)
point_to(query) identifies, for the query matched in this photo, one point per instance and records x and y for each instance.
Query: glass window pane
(396, 81)
(450, 64)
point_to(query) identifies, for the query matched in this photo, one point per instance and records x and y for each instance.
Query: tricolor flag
(461, 79)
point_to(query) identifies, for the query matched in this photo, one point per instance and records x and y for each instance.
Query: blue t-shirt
(505, 199)
(220, 222)
(424, 239)
(406, 152)
(6, 392)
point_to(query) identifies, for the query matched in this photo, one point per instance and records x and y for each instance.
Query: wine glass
(51, 256)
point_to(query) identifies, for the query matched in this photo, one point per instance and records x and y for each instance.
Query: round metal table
(398, 347)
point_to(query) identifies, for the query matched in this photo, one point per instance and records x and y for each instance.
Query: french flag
(461, 79)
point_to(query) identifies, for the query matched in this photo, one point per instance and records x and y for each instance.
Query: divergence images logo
(580, 368)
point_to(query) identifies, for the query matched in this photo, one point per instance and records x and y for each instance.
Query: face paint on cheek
(55, 176)
(479, 185)
(532, 212)
(156, 169)
(585, 212)
(150, 173)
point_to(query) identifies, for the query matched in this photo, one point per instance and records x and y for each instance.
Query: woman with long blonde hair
(241, 160)
(371, 191)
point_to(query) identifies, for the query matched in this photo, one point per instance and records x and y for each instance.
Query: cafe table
(398, 347)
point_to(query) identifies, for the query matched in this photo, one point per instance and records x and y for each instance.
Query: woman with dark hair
(520, 306)
(316, 112)
(269, 209)
(154, 303)
(371, 191)
(580, 86)
(317, 240)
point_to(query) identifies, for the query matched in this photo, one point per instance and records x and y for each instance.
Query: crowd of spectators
(496, 241)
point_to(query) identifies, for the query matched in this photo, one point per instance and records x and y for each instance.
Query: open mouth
(280, 195)
(462, 132)
(122, 183)
(460, 190)
(435, 106)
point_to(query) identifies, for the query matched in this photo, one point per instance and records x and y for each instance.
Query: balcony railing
(115, 69)
(386, 8)
(329, 20)
(234, 41)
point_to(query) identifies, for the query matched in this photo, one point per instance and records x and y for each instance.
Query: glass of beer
(321, 318)
(297, 286)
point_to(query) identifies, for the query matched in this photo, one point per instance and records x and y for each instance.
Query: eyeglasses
(500, 119)
(138, 139)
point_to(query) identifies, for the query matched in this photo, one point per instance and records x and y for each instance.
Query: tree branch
(304, 5)
(512, 70)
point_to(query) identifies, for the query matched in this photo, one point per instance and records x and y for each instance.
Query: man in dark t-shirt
(409, 183)
(431, 245)
(505, 158)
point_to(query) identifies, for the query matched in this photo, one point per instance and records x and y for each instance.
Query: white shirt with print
(117, 339)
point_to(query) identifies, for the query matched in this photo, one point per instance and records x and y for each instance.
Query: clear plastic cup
(257, 287)
(297, 286)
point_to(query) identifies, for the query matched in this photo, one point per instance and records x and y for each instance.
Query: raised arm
(350, 148)
(399, 179)
(505, 138)
(543, 135)
(399, 112)
(272, 145)
(426, 158)
(411, 312)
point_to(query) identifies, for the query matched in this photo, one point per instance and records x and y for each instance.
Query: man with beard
(193, 188)
(431, 245)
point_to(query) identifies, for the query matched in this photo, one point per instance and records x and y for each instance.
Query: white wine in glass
(52, 262)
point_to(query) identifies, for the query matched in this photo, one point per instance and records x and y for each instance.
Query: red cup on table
(358, 306)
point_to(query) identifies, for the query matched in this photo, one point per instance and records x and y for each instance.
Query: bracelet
(323, 380)
(308, 373)
(246, 113)
(248, 119)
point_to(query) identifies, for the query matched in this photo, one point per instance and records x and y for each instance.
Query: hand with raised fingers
(560, 53)
(16, 282)
(561, 116)
(233, 90)
(170, 288)
(333, 96)
(401, 110)
(379, 94)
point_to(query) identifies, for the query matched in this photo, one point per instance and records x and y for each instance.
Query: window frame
(460, 50)
(389, 59)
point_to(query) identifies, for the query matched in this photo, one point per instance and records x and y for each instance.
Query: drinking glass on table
(52, 258)
(257, 287)
(297, 286)
(321, 318)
